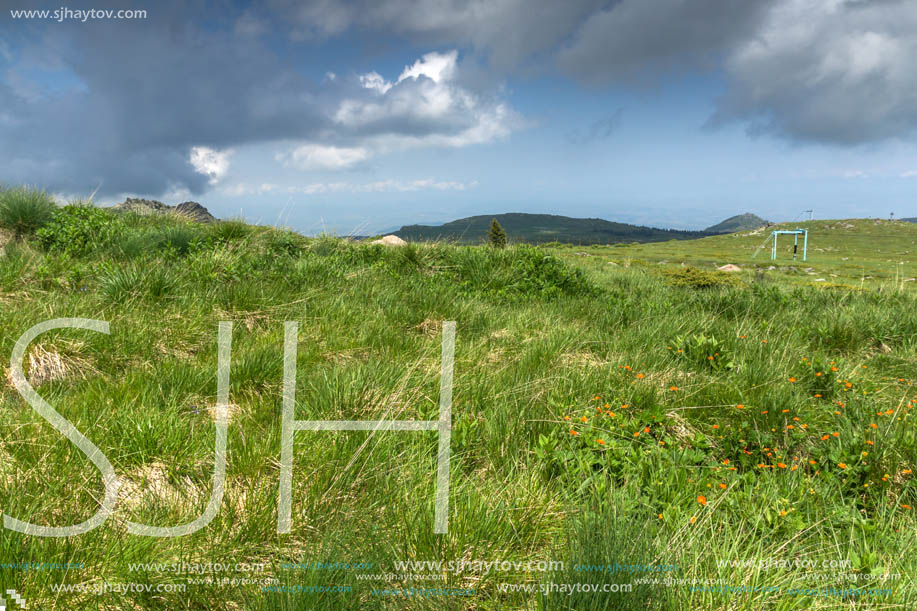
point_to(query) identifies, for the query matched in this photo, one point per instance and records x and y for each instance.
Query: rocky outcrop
(190, 210)
(195, 212)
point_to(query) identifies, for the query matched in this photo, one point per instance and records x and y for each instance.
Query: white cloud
(908, 174)
(379, 186)
(242, 189)
(374, 81)
(209, 162)
(437, 67)
(426, 106)
(323, 157)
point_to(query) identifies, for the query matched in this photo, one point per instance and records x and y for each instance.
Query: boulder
(389, 240)
(729, 267)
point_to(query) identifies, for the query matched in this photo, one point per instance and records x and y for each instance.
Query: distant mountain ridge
(739, 222)
(540, 228)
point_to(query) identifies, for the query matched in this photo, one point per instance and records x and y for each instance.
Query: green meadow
(613, 405)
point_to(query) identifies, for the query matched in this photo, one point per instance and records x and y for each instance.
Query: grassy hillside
(602, 414)
(740, 222)
(852, 252)
(541, 228)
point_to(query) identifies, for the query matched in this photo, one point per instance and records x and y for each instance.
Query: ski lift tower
(795, 233)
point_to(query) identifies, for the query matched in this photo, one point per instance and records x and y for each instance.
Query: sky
(359, 117)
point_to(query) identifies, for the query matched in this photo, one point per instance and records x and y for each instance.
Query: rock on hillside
(191, 210)
(389, 240)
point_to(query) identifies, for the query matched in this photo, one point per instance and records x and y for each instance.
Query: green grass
(853, 252)
(23, 211)
(541, 345)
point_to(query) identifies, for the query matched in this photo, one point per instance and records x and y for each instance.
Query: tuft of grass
(24, 210)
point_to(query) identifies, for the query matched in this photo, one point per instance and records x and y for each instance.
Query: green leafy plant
(78, 229)
(702, 351)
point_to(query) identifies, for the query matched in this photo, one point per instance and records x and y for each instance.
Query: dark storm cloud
(644, 40)
(831, 72)
(510, 32)
(143, 93)
(123, 102)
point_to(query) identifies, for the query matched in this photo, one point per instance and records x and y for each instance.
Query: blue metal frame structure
(795, 233)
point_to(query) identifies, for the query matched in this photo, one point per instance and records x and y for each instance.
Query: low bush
(78, 229)
(691, 277)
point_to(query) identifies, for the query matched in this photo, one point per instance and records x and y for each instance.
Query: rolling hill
(740, 222)
(541, 228)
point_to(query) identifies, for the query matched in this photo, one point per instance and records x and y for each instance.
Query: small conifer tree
(496, 236)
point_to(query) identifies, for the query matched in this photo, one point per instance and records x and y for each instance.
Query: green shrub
(78, 229)
(24, 210)
(691, 277)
